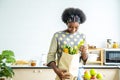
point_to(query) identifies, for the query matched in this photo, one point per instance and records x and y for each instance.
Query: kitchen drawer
(34, 74)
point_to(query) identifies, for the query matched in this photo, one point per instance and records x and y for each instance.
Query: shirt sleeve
(52, 50)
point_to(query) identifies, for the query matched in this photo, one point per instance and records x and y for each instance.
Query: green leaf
(1, 58)
(70, 50)
(7, 56)
(10, 60)
(7, 53)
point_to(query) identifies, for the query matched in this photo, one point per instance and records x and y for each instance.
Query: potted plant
(6, 59)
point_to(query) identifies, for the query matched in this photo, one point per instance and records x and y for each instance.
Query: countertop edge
(84, 67)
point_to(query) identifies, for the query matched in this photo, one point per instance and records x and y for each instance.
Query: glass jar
(33, 63)
(115, 45)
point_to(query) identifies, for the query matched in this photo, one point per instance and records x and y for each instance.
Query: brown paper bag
(70, 63)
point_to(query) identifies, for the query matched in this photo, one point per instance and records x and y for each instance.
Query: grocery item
(115, 45)
(33, 63)
(92, 74)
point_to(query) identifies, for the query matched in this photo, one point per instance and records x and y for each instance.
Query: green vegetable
(82, 42)
(72, 50)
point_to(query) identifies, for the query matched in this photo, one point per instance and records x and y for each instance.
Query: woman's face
(72, 27)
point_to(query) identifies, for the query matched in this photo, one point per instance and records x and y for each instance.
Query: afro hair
(68, 12)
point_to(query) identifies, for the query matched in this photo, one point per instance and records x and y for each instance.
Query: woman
(72, 17)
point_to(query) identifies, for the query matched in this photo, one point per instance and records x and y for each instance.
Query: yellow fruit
(99, 76)
(65, 50)
(87, 75)
(93, 72)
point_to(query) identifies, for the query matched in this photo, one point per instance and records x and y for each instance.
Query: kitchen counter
(101, 67)
(46, 73)
(85, 67)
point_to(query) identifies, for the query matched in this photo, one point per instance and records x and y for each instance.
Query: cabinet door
(34, 74)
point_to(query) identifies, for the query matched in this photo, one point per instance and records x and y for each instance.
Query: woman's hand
(83, 50)
(62, 74)
(84, 54)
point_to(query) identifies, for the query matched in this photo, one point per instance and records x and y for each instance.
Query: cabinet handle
(35, 71)
(39, 71)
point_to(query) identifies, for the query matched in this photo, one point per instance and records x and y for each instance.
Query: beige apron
(70, 63)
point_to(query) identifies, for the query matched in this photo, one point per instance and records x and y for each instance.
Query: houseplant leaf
(7, 56)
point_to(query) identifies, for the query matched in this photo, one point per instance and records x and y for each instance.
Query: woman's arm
(84, 54)
(51, 57)
(84, 50)
(61, 73)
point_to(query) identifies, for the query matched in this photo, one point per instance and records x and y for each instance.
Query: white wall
(27, 26)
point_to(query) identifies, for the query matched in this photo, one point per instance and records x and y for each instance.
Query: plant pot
(2, 78)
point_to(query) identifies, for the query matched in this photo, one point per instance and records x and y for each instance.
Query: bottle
(115, 45)
(109, 43)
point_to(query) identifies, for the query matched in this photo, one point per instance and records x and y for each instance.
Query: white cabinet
(48, 74)
(34, 74)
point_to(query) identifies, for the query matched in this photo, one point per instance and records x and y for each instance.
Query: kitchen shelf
(99, 52)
